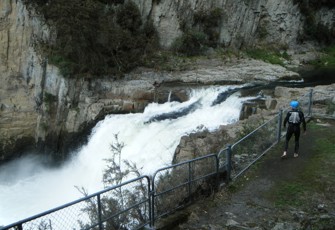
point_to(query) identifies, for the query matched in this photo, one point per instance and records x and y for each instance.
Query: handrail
(254, 131)
(152, 192)
(189, 182)
(97, 194)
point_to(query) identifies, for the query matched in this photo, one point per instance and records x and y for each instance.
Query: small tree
(115, 202)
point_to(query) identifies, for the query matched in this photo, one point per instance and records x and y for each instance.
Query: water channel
(27, 187)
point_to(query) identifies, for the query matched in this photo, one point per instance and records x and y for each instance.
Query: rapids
(150, 138)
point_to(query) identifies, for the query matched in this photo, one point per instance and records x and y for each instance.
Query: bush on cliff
(96, 37)
(203, 33)
(324, 34)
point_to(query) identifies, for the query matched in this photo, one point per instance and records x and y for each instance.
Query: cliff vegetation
(313, 30)
(109, 37)
(95, 37)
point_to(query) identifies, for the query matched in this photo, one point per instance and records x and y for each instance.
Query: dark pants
(293, 129)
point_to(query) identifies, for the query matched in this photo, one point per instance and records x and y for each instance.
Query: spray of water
(27, 188)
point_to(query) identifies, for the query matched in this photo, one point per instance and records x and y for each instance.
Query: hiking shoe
(295, 155)
(284, 155)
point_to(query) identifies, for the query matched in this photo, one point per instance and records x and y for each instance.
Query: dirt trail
(251, 206)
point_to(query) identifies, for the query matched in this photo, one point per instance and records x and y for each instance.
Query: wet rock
(322, 208)
(231, 222)
(285, 226)
(298, 215)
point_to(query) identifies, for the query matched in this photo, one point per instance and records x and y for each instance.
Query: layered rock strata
(39, 107)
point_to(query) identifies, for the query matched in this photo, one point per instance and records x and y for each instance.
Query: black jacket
(295, 117)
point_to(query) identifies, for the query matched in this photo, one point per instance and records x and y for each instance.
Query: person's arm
(303, 121)
(286, 119)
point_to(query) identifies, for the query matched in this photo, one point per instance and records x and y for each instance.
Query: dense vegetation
(109, 37)
(203, 33)
(313, 30)
(96, 37)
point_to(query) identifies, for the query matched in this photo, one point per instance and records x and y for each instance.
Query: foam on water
(28, 188)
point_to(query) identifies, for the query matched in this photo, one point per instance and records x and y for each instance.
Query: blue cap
(294, 104)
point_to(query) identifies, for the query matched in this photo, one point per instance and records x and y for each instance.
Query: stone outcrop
(39, 107)
(18, 62)
(241, 23)
(204, 142)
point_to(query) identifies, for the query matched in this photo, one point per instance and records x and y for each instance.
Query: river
(27, 187)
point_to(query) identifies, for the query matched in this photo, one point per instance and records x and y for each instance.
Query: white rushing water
(27, 188)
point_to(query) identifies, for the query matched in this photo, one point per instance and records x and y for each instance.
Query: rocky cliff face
(241, 21)
(19, 65)
(39, 106)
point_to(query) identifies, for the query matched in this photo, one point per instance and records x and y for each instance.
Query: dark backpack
(294, 117)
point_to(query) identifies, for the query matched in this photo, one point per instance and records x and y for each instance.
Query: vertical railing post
(99, 212)
(217, 165)
(152, 197)
(310, 103)
(189, 180)
(229, 163)
(280, 120)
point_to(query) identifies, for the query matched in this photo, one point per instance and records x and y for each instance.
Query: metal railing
(261, 138)
(250, 148)
(134, 204)
(111, 208)
(175, 186)
(140, 202)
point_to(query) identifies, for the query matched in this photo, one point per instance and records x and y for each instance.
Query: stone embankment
(204, 142)
(66, 107)
(39, 107)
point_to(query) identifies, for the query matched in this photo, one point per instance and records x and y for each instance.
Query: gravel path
(247, 203)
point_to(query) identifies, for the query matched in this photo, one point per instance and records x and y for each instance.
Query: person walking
(294, 118)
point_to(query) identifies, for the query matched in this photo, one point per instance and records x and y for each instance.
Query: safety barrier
(246, 151)
(139, 203)
(111, 208)
(134, 204)
(175, 186)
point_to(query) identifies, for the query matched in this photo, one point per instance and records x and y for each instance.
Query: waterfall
(28, 188)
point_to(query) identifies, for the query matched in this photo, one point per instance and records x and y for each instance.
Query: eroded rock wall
(243, 22)
(38, 105)
(19, 88)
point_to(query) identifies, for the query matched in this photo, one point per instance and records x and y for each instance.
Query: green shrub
(129, 17)
(96, 38)
(65, 66)
(324, 34)
(203, 32)
(49, 98)
(208, 18)
(209, 22)
(191, 43)
(267, 56)
(326, 60)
